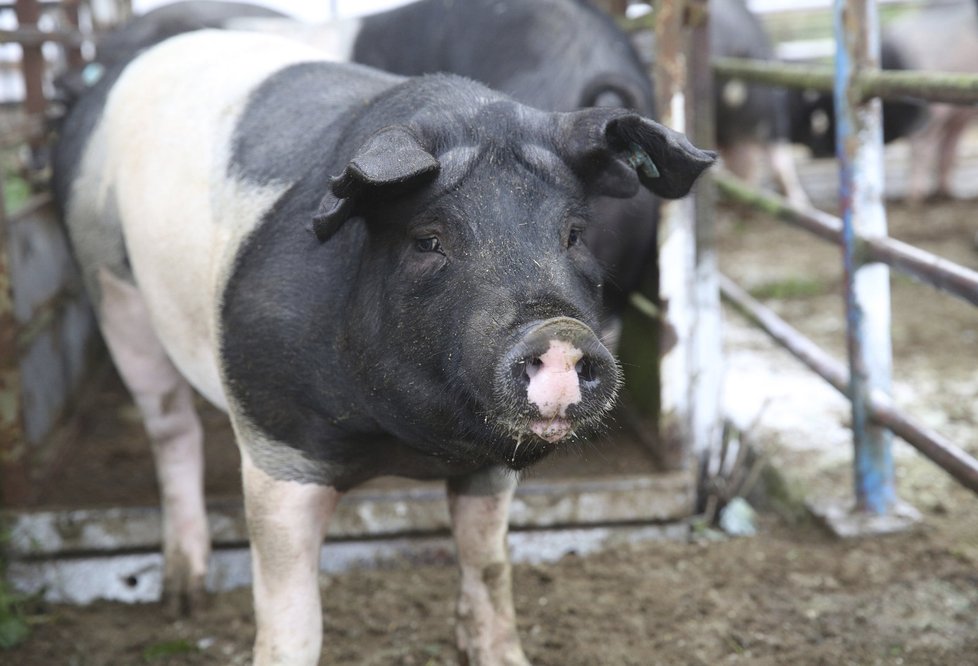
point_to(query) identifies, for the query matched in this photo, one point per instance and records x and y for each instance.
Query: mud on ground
(792, 595)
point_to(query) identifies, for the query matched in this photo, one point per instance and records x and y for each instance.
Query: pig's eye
(429, 244)
(575, 236)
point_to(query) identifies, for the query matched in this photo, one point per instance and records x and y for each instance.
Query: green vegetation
(16, 190)
(791, 287)
(14, 626)
(168, 649)
(785, 500)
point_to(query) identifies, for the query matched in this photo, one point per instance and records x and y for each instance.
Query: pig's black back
(554, 55)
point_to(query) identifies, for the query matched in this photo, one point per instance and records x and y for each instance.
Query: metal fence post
(859, 147)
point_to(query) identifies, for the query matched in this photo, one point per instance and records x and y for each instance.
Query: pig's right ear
(390, 162)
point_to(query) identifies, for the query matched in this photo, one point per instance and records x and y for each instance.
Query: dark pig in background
(940, 37)
(813, 113)
(752, 121)
(372, 275)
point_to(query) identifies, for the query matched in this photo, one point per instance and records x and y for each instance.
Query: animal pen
(77, 548)
(857, 85)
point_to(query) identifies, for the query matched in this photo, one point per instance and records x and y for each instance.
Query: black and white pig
(939, 37)
(370, 274)
(117, 47)
(557, 55)
(813, 112)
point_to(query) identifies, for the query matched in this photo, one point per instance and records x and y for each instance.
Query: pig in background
(813, 113)
(752, 122)
(943, 37)
(371, 274)
(940, 37)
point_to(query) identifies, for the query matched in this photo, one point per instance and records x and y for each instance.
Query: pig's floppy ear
(392, 160)
(615, 151)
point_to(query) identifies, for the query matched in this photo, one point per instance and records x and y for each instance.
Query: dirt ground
(793, 594)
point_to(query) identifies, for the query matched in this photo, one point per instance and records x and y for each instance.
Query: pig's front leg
(287, 522)
(485, 619)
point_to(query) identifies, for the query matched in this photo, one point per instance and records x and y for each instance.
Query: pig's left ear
(614, 151)
(390, 162)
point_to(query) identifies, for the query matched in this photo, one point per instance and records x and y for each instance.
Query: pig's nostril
(587, 372)
(525, 369)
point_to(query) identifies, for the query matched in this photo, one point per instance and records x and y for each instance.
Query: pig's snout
(564, 374)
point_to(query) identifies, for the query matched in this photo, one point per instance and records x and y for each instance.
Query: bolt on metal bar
(932, 445)
(859, 148)
(936, 271)
(949, 87)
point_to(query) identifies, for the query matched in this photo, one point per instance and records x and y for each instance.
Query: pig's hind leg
(953, 129)
(485, 617)
(166, 402)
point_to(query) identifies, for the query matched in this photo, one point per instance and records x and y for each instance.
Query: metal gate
(868, 254)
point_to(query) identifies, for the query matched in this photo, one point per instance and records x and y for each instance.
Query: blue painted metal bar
(859, 147)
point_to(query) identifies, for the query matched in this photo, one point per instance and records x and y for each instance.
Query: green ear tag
(641, 162)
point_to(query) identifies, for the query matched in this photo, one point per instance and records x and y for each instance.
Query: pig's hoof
(184, 592)
(510, 654)
(184, 601)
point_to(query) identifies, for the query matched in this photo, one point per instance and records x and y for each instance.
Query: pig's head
(473, 326)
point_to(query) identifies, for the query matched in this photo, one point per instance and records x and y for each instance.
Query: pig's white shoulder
(167, 134)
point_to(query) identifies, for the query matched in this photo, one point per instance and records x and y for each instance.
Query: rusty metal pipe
(931, 444)
(936, 271)
(949, 87)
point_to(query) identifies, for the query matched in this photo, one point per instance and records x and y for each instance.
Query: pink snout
(553, 387)
(564, 374)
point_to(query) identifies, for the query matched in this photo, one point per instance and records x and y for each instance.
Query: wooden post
(32, 69)
(706, 355)
(73, 54)
(689, 420)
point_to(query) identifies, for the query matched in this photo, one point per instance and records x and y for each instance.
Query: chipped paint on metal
(859, 150)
